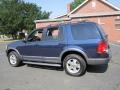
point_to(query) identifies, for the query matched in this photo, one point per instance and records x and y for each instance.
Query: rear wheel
(74, 65)
(13, 59)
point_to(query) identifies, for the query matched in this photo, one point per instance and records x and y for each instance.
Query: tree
(75, 3)
(16, 15)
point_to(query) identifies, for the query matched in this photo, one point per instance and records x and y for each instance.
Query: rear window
(84, 31)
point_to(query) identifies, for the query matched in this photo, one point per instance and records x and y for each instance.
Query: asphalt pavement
(33, 77)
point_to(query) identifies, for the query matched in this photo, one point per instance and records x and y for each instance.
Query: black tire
(18, 62)
(79, 60)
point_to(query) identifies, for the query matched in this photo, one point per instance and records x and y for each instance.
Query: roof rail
(66, 22)
(85, 20)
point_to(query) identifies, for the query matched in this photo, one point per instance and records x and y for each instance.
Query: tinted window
(85, 31)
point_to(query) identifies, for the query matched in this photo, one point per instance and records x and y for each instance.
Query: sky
(59, 7)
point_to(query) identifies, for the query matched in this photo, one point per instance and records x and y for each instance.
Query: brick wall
(94, 6)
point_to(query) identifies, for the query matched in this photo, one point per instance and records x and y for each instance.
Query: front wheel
(13, 59)
(74, 65)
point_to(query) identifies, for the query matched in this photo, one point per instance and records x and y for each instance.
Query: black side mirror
(24, 40)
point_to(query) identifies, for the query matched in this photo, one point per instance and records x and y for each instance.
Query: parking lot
(33, 77)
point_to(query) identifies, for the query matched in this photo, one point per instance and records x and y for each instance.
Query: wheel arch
(10, 50)
(73, 51)
(15, 50)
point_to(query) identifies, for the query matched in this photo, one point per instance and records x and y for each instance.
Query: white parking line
(114, 45)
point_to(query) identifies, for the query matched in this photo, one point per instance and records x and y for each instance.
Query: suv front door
(31, 49)
(47, 49)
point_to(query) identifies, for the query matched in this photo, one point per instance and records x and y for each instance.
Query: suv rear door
(50, 47)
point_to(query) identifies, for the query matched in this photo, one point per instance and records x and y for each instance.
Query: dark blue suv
(72, 45)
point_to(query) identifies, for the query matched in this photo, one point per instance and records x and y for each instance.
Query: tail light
(101, 47)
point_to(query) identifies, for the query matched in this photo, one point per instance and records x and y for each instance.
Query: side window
(52, 33)
(84, 31)
(36, 35)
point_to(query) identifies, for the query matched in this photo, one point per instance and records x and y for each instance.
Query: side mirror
(25, 39)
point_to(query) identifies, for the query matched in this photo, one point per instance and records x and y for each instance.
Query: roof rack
(66, 22)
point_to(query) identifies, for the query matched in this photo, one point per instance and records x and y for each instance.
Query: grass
(8, 40)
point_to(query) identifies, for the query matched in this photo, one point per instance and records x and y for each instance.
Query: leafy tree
(75, 3)
(16, 15)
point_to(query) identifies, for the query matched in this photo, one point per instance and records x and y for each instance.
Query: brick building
(100, 11)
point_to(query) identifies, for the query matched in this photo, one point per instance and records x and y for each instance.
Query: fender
(75, 48)
(20, 56)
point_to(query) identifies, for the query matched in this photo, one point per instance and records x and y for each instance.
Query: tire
(74, 65)
(13, 59)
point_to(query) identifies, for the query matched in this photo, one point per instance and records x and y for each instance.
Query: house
(100, 11)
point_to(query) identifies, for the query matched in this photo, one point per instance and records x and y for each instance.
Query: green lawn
(7, 40)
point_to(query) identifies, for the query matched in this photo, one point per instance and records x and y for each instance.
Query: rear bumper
(98, 61)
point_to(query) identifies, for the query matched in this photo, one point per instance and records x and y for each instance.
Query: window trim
(45, 35)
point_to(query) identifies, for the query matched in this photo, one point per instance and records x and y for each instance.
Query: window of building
(93, 4)
(117, 24)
